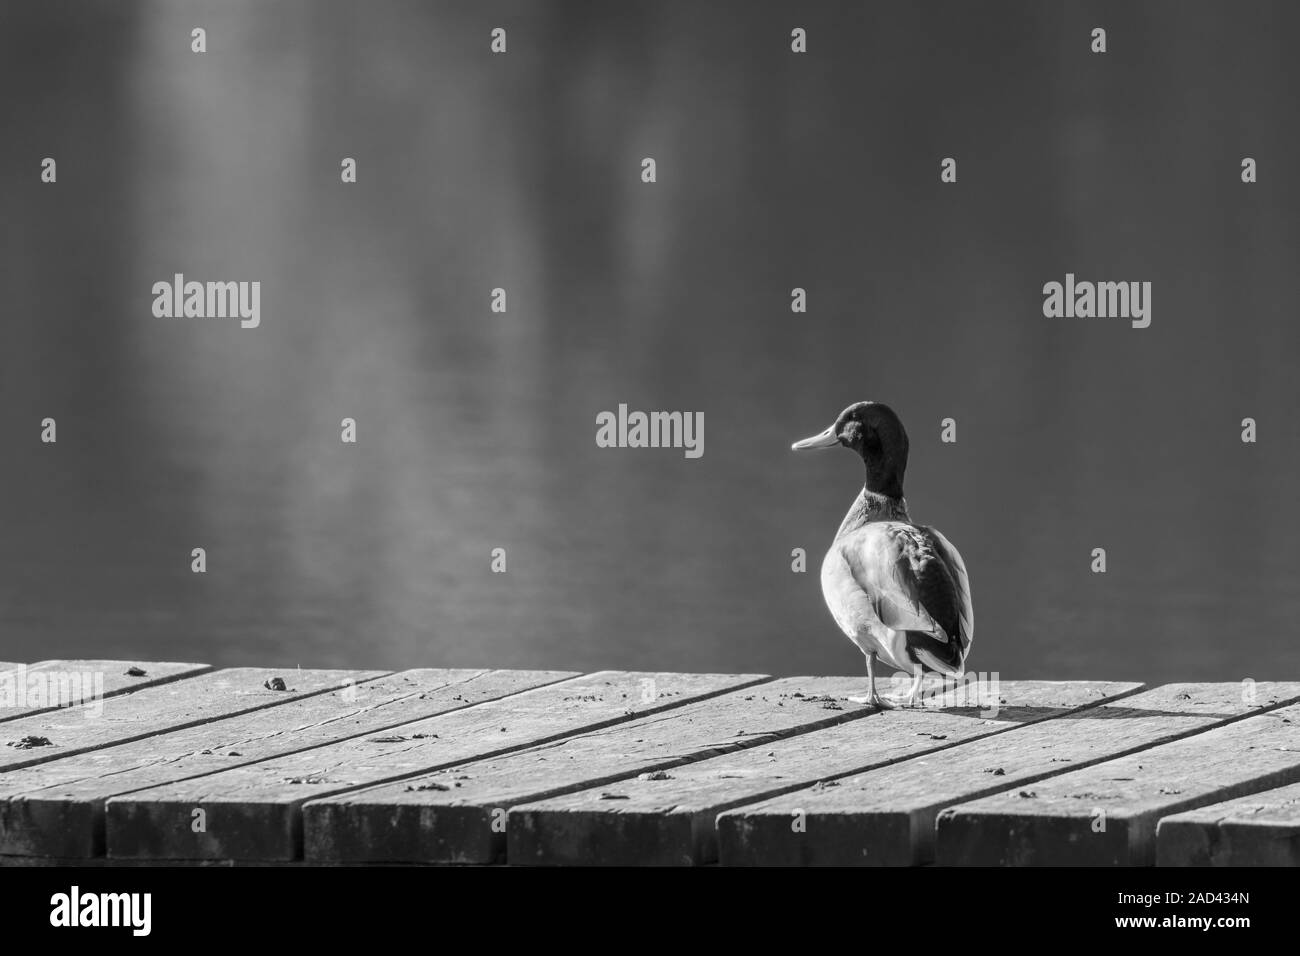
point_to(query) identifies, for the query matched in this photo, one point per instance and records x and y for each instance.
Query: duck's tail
(943, 657)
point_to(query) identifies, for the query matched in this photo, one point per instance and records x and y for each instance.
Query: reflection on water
(476, 430)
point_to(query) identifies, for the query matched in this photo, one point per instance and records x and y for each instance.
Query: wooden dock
(176, 762)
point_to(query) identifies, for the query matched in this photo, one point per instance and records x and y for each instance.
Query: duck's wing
(916, 583)
(952, 558)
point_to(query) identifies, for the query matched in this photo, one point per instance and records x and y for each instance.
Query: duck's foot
(915, 696)
(874, 700)
(903, 702)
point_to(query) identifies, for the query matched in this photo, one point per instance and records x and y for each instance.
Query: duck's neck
(872, 506)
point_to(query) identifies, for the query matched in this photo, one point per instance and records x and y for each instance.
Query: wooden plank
(1262, 829)
(459, 814)
(56, 809)
(253, 812)
(1107, 814)
(8, 666)
(887, 816)
(668, 819)
(49, 685)
(62, 733)
(106, 863)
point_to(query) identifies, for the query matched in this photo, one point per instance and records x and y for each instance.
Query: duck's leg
(872, 698)
(913, 696)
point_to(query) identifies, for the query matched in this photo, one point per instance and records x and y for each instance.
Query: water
(476, 430)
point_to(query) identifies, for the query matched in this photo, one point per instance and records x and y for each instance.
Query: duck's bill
(826, 439)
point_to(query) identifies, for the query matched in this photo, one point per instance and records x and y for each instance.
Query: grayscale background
(476, 430)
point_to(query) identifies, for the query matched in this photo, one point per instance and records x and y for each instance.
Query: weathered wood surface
(253, 812)
(53, 735)
(8, 666)
(459, 814)
(669, 819)
(616, 768)
(1107, 814)
(886, 817)
(1262, 829)
(55, 809)
(48, 685)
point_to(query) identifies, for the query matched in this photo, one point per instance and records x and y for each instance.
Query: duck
(898, 590)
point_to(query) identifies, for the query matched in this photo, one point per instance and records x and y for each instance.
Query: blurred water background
(476, 430)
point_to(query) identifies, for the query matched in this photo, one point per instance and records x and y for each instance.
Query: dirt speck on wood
(819, 699)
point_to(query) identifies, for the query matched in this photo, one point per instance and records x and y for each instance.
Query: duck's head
(876, 433)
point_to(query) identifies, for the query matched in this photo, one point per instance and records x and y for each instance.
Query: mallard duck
(897, 589)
